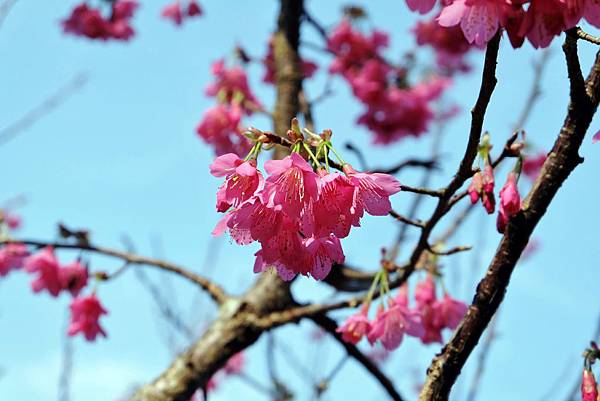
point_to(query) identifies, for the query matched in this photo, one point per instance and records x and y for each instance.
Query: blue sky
(120, 157)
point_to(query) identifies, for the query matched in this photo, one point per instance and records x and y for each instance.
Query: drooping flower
(292, 184)
(334, 210)
(85, 315)
(321, 254)
(391, 324)
(45, 264)
(372, 191)
(510, 200)
(356, 326)
(421, 6)
(450, 311)
(589, 387)
(12, 256)
(73, 277)
(242, 179)
(478, 19)
(475, 188)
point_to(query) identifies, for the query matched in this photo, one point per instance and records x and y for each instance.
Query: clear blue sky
(120, 157)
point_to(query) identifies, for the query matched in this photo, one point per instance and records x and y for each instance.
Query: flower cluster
(220, 125)
(299, 212)
(308, 67)
(55, 278)
(89, 22)
(177, 12)
(393, 111)
(540, 23)
(425, 320)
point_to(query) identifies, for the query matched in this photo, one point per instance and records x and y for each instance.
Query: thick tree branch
(561, 161)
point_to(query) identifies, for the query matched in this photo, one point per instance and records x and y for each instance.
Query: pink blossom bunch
(540, 22)
(178, 12)
(449, 44)
(220, 125)
(482, 187)
(85, 317)
(54, 277)
(12, 257)
(510, 202)
(392, 112)
(308, 67)
(297, 214)
(89, 22)
(425, 321)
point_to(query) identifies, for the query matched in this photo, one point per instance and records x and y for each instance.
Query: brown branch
(406, 220)
(581, 34)
(561, 161)
(214, 290)
(330, 326)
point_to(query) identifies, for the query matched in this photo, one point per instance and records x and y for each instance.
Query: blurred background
(118, 155)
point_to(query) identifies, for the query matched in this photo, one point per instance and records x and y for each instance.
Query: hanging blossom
(297, 214)
(510, 202)
(12, 257)
(537, 20)
(482, 187)
(178, 12)
(53, 277)
(85, 317)
(393, 111)
(220, 125)
(309, 68)
(589, 387)
(89, 22)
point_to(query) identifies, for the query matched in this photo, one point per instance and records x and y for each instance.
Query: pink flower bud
(510, 201)
(589, 388)
(475, 187)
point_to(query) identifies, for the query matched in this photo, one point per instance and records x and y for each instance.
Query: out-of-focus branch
(214, 290)
(330, 326)
(536, 89)
(5, 8)
(561, 161)
(49, 104)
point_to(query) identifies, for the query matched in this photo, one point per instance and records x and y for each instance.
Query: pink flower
(85, 316)
(235, 364)
(487, 195)
(421, 6)
(242, 179)
(334, 210)
(219, 127)
(173, 12)
(425, 291)
(322, 253)
(544, 20)
(194, 9)
(12, 256)
(390, 325)
(292, 184)
(478, 19)
(596, 137)
(89, 22)
(73, 277)
(510, 201)
(372, 191)
(450, 311)
(475, 188)
(232, 86)
(45, 264)
(356, 326)
(589, 388)
(532, 165)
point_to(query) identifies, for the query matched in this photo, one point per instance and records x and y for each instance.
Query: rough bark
(562, 160)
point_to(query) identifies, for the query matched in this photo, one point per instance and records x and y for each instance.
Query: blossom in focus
(391, 324)
(12, 256)
(589, 387)
(242, 179)
(372, 191)
(85, 317)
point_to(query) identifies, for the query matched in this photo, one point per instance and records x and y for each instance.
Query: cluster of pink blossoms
(539, 23)
(308, 67)
(54, 277)
(220, 125)
(89, 22)
(393, 112)
(298, 214)
(425, 320)
(178, 12)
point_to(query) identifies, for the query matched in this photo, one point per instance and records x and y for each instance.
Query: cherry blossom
(242, 179)
(220, 127)
(73, 277)
(231, 86)
(355, 327)
(12, 256)
(391, 324)
(46, 265)
(372, 191)
(85, 315)
(89, 22)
